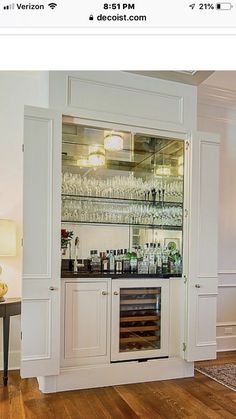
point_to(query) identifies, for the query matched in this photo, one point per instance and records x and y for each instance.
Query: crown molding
(191, 77)
(216, 96)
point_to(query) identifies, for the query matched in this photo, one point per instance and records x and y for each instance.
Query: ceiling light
(83, 162)
(163, 170)
(96, 155)
(113, 142)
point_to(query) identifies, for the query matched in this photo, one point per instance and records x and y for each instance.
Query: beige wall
(217, 113)
(16, 90)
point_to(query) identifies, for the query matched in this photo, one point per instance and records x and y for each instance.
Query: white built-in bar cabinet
(92, 325)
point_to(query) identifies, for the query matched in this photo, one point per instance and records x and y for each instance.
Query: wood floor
(198, 397)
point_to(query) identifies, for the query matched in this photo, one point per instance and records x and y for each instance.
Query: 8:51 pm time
(119, 6)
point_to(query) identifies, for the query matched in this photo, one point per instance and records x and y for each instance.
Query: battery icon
(224, 6)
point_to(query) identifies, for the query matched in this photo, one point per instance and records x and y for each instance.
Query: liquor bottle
(165, 261)
(155, 249)
(95, 261)
(126, 261)
(111, 262)
(133, 261)
(104, 262)
(151, 255)
(152, 264)
(146, 251)
(101, 254)
(107, 256)
(159, 258)
(90, 260)
(139, 260)
(143, 261)
(139, 253)
(118, 263)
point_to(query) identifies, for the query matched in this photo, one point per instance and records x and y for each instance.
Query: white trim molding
(217, 96)
(223, 324)
(227, 272)
(226, 342)
(117, 373)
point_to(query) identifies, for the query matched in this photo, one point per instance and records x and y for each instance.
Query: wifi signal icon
(52, 5)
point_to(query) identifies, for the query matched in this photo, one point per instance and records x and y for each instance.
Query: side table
(9, 307)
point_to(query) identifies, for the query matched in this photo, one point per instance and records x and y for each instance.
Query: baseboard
(226, 343)
(103, 375)
(14, 360)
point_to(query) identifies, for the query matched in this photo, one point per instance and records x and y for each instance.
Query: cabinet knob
(104, 293)
(116, 293)
(197, 286)
(52, 288)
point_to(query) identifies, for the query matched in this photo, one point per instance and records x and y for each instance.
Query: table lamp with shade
(7, 248)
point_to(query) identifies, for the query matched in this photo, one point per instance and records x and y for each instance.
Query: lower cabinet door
(86, 321)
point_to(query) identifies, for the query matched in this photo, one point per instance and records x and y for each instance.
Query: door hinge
(22, 242)
(186, 212)
(187, 144)
(185, 279)
(184, 346)
(20, 335)
(23, 148)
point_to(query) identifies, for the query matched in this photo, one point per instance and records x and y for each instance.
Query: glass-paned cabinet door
(140, 319)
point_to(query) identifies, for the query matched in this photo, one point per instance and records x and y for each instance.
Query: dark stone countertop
(70, 274)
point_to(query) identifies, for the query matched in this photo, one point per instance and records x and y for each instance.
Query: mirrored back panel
(122, 200)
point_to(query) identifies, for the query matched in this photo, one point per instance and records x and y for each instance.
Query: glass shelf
(121, 200)
(157, 226)
(115, 211)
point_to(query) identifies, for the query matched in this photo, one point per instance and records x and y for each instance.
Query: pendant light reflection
(113, 142)
(163, 170)
(96, 156)
(83, 162)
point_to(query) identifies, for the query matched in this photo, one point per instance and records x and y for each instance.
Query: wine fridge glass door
(140, 320)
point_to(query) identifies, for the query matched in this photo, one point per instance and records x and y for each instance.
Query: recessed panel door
(41, 243)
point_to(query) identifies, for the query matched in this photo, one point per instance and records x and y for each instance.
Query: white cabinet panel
(124, 98)
(41, 243)
(86, 320)
(38, 198)
(37, 343)
(208, 209)
(85, 93)
(201, 258)
(206, 320)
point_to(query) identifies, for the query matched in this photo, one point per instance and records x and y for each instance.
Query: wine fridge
(140, 319)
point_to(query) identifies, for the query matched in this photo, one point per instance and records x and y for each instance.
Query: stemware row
(157, 188)
(143, 214)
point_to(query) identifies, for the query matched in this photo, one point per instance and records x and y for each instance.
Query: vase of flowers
(66, 237)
